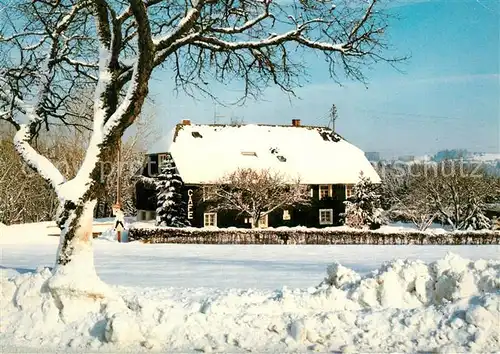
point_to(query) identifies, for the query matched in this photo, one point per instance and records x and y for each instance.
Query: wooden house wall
(193, 195)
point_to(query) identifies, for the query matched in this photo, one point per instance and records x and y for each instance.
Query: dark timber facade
(324, 210)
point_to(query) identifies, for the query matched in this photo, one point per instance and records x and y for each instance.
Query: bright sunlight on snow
(188, 298)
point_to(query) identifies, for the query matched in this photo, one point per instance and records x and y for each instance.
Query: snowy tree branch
(255, 193)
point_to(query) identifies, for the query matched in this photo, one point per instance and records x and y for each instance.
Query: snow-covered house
(324, 161)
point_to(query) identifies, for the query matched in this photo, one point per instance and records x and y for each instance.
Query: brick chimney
(186, 122)
(296, 122)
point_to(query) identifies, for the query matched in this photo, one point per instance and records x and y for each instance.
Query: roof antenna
(333, 117)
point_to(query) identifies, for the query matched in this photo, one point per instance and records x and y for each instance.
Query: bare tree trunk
(255, 221)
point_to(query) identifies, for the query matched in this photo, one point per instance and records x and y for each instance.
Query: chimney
(296, 122)
(186, 122)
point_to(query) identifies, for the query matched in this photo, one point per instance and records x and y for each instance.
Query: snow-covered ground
(240, 298)
(217, 266)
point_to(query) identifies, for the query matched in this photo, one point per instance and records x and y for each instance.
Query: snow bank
(25, 233)
(409, 284)
(452, 305)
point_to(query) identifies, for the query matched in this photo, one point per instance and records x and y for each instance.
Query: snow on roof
(205, 153)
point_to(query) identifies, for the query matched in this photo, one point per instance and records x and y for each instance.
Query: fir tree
(363, 207)
(478, 221)
(171, 208)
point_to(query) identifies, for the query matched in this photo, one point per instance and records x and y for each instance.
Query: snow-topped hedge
(302, 236)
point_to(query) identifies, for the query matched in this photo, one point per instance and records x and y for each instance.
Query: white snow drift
(452, 304)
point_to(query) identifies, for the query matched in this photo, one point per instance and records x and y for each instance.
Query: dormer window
(162, 159)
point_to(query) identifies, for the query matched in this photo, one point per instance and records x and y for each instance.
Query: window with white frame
(325, 191)
(209, 219)
(286, 215)
(349, 190)
(326, 216)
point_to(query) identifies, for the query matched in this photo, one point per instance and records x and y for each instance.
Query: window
(209, 219)
(326, 216)
(286, 215)
(325, 191)
(207, 190)
(162, 158)
(349, 190)
(263, 221)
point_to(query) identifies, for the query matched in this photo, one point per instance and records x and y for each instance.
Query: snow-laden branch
(21, 34)
(80, 63)
(34, 46)
(119, 113)
(68, 19)
(363, 20)
(248, 24)
(324, 46)
(39, 163)
(273, 40)
(109, 121)
(184, 25)
(230, 45)
(26, 131)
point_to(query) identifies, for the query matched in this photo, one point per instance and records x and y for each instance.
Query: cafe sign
(190, 204)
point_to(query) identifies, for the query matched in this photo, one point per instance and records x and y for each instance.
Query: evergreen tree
(478, 221)
(171, 208)
(364, 207)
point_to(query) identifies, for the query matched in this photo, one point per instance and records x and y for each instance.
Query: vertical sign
(190, 204)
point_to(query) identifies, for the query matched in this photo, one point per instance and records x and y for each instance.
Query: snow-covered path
(223, 266)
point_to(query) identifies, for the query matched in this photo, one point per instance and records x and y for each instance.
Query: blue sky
(448, 95)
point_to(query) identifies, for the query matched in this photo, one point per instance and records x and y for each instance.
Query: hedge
(309, 237)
